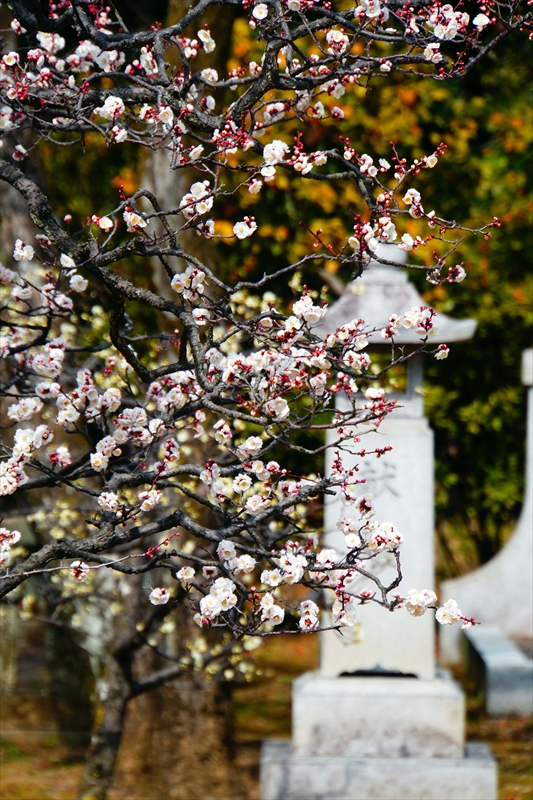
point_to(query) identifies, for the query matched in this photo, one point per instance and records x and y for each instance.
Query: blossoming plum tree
(172, 434)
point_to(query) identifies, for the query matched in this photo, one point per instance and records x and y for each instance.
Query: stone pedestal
(377, 739)
(377, 717)
(287, 776)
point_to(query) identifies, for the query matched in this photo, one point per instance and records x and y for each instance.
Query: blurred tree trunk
(109, 713)
(198, 753)
(168, 185)
(178, 744)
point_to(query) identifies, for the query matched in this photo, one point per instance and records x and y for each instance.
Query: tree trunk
(106, 737)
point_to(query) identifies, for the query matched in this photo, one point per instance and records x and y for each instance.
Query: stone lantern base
(286, 776)
(377, 738)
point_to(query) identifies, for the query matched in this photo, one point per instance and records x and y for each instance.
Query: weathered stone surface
(502, 669)
(500, 593)
(286, 776)
(401, 485)
(377, 717)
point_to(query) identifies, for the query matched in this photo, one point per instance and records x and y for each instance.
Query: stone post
(401, 485)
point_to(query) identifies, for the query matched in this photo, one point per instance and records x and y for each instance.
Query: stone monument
(500, 595)
(377, 720)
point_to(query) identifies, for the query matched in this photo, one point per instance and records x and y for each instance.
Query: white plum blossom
(134, 222)
(51, 42)
(118, 134)
(241, 483)
(372, 9)
(113, 107)
(77, 283)
(327, 556)
(344, 611)
(67, 261)
(292, 566)
(260, 11)
(272, 577)
(196, 152)
(448, 613)
(109, 501)
(411, 196)
(250, 447)
(432, 53)
(226, 550)
(417, 603)
(190, 283)
(159, 596)
(245, 563)
(337, 40)
(256, 503)
(305, 309)
(255, 186)
(206, 40)
(209, 75)
(481, 21)
(278, 408)
(244, 229)
(201, 316)
(210, 606)
(26, 408)
(223, 589)
(442, 352)
(456, 274)
(7, 540)
(79, 571)
(268, 173)
(270, 612)
(150, 499)
(407, 242)
(23, 252)
(21, 292)
(385, 537)
(186, 575)
(275, 152)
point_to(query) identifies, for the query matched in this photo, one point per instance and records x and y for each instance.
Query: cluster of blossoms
(122, 112)
(420, 319)
(378, 537)
(177, 435)
(344, 609)
(198, 200)
(26, 441)
(221, 598)
(190, 284)
(418, 602)
(7, 540)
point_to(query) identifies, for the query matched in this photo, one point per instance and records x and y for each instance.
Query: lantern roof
(383, 291)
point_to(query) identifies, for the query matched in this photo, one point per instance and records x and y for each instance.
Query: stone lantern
(377, 719)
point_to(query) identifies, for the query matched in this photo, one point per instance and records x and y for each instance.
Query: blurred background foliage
(475, 400)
